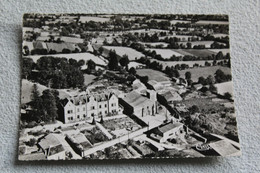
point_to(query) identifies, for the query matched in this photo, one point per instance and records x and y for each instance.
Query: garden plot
(120, 51)
(76, 56)
(120, 126)
(95, 135)
(166, 53)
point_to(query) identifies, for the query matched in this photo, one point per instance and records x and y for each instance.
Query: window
(84, 109)
(100, 106)
(84, 116)
(105, 112)
(71, 118)
(112, 104)
(93, 107)
(71, 111)
(68, 111)
(78, 116)
(92, 114)
(105, 105)
(100, 113)
(78, 109)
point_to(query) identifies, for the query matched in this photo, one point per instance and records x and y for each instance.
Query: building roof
(152, 82)
(224, 148)
(48, 141)
(135, 99)
(81, 140)
(169, 126)
(171, 96)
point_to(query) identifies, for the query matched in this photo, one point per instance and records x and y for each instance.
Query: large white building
(82, 107)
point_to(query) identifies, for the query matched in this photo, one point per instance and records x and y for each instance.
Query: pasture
(204, 72)
(166, 53)
(152, 74)
(120, 51)
(84, 19)
(208, 22)
(198, 52)
(76, 56)
(224, 87)
(26, 90)
(88, 78)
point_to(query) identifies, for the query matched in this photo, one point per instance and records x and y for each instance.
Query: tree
(188, 45)
(194, 109)
(132, 71)
(187, 75)
(27, 67)
(210, 80)
(220, 76)
(36, 104)
(212, 88)
(50, 107)
(202, 80)
(113, 62)
(227, 95)
(124, 61)
(91, 65)
(81, 62)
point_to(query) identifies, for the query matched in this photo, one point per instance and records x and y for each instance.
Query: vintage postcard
(104, 86)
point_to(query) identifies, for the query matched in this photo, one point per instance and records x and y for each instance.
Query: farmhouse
(82, 107)
(135, 103)
(168, 131)
(155, 85)
(52, 147)
(139, 87)
(169, 97)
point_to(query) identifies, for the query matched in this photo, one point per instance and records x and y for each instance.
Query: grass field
(225, 87)
(26, 90)
(208, 22)
(198, 52)
(76, 56)
(153, 74)
(224, 51)
(88, 78)
(84, 19)
(166, 53)
(204, 71)
(131, 53)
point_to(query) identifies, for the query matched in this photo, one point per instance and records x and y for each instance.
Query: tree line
(53, 72)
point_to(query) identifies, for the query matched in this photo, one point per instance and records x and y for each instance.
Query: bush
(31, 142)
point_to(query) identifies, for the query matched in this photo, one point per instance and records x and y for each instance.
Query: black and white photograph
(126, 86)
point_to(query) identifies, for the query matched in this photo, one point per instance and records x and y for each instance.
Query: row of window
(93, 108)
(78, 117)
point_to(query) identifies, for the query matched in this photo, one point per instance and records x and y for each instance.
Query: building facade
(80, 108)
